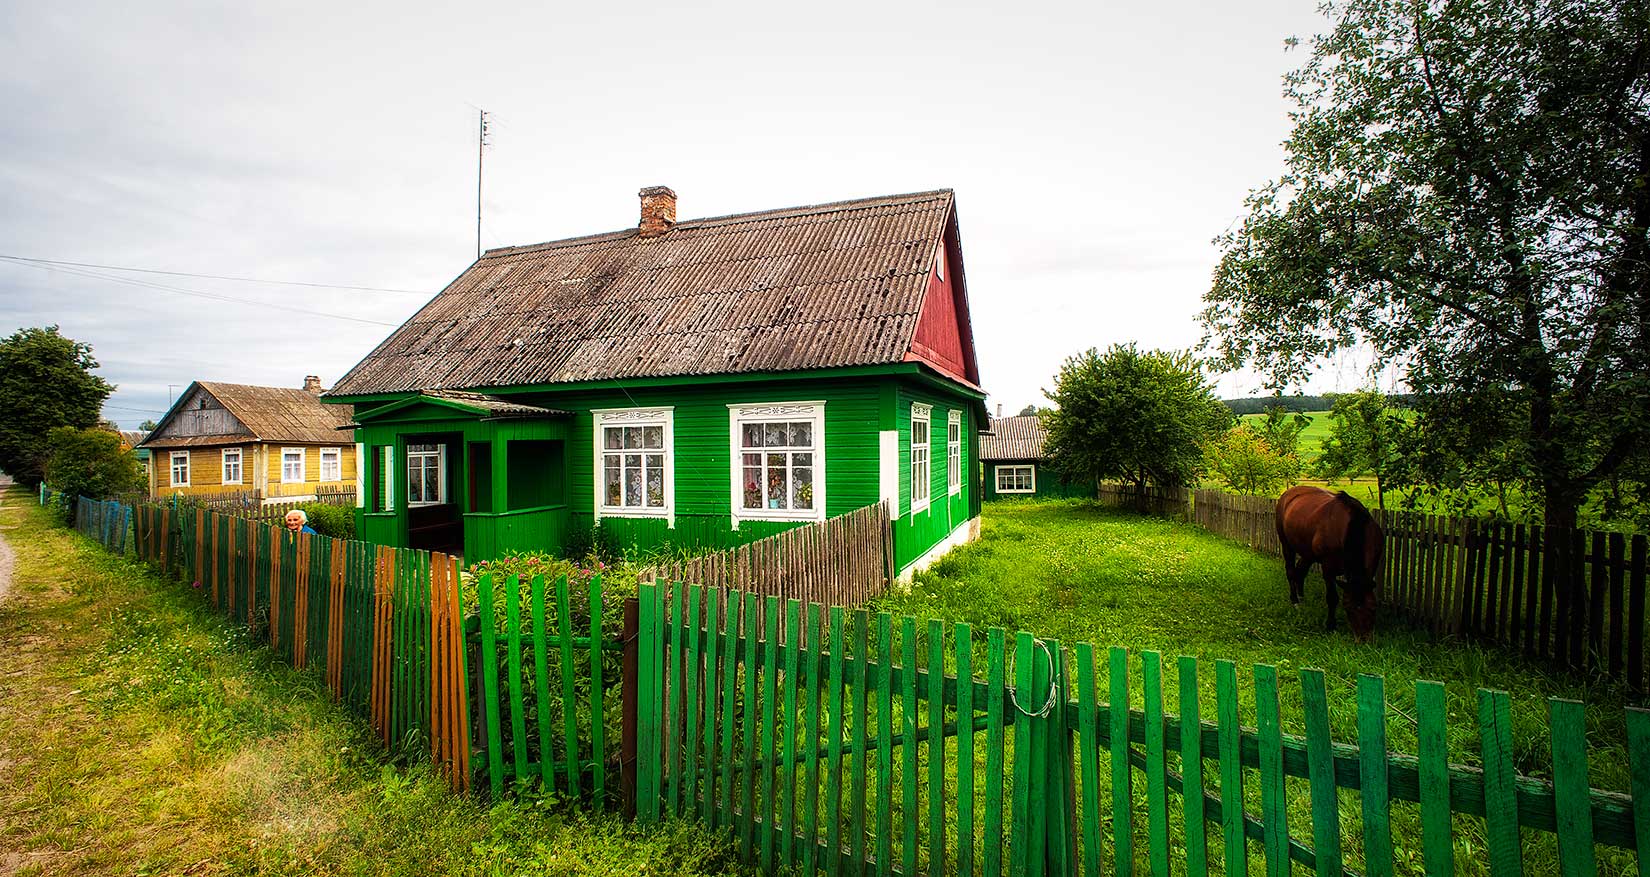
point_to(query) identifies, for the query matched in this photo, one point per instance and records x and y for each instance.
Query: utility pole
(481, 146)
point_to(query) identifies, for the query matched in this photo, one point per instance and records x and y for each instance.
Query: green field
(1075, 571)
(143, 734)
(1311, 438)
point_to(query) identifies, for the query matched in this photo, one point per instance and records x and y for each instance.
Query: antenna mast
(481, 145)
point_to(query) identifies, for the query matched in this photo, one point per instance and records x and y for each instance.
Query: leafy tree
(1028, 411)
(1363, 439)
(148, 426)
(46, 381)
(1244, 460)
(1131, 415)
(1468, 193)
(91, 462)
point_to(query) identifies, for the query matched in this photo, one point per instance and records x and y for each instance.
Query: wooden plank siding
(857, 410)
(260, 470)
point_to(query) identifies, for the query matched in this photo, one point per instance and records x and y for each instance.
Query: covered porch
(463, 473)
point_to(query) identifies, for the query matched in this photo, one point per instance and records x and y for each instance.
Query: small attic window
(939, 263)
(201, 404)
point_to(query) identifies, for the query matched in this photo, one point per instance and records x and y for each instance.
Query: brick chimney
(312, 384)
(658, 210)
(999, 409)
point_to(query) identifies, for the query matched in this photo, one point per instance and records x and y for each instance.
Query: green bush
(331, 520)
(91, 463)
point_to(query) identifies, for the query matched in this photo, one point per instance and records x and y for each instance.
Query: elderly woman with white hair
(297, 521)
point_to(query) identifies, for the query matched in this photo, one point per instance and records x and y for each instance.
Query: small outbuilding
(1016, 465)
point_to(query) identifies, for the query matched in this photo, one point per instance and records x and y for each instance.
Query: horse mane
(1357, 530)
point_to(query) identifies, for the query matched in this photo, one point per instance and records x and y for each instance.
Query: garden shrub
(331, 520)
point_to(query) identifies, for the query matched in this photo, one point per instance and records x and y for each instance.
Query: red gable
(942, 339)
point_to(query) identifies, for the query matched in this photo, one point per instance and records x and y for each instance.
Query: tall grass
(143, 734)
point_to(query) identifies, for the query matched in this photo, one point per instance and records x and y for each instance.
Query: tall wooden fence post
(627, 695)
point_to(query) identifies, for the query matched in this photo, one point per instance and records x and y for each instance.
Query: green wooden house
(704, 382)
(1015, 465)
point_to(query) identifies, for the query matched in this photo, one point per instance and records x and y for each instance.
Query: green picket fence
(545, 701)
(846, 742)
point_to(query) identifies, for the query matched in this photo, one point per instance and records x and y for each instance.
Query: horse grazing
(1335, 530)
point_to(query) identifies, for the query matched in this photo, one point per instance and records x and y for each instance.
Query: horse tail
(1357, 530)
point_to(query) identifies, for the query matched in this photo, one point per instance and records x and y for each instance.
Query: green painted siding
(915, 533)
(702, 455)
(857, 408)
(1049, 484)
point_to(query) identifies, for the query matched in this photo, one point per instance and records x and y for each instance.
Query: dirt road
(5, 549)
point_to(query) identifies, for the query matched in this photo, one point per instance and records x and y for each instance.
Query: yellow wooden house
(274, 444)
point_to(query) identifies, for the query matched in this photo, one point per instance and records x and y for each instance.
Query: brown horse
(1335, 530)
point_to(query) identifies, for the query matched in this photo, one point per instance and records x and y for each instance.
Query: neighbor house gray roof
(1013, 438)
(800, 288)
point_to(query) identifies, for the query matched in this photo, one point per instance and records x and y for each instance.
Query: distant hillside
(1259, 404)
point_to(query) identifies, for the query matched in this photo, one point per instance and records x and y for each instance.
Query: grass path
(1074, 571)
(140, 734)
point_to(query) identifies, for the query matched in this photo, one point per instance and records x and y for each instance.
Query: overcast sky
(1096, 149)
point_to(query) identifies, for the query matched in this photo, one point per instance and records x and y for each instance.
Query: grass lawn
(142, 734)
(1075, 571)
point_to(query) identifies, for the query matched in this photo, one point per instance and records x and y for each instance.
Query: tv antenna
(481, 147)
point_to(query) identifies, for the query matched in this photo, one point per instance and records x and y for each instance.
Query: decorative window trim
(386, 459)
(953, 452)
(303, 466)
(441, 473)
(240, 466)
(176, 455)
(758, 412)
(656, 415)
(999, 471)
(338, 464)
(923, 413)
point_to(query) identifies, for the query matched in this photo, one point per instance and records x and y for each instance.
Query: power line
(138, 410)
(214, 276)
(212, 296)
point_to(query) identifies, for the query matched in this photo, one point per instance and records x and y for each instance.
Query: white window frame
(1008, 469)
(953, 452)
(440, 469)
(924, 414)
(176, 455)
(769, 412)
(240, 466)
(302, 466)
(337, 464)
(662, 415)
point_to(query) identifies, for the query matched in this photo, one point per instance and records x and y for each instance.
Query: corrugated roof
(800, 288)
(270, 414)
(1013, 438)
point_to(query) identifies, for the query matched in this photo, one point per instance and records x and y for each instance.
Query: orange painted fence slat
(402, 672)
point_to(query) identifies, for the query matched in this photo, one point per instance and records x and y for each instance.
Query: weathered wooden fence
(1247, 519)
(384, 625)
(1165, 502)
(841, 561)
(1573, 598)
(249, 500)
(831, 747)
